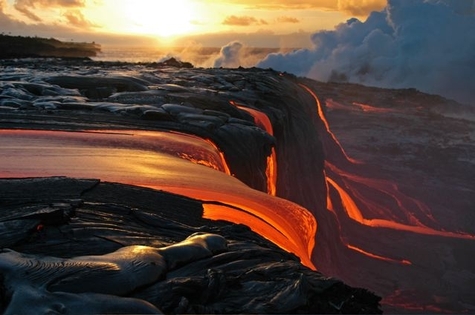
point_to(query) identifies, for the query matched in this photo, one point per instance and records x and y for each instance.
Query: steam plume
(229, 56)
(424, 44)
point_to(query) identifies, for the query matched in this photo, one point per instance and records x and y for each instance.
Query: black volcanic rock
(173, 62)
(65, 217)
(97, 87)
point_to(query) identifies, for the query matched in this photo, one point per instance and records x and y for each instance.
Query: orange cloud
(26, 7)
(361, 7)
(243, 21)
(355, 7)
(287, 19)
(26, 12)
(77, 19)
(286, 4)
(50, 3)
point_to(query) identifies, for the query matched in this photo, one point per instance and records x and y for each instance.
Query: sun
(160, 17)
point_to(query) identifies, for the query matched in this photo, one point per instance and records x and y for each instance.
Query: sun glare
(162, 18)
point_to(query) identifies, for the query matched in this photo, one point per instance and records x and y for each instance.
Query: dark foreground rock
(47, 224)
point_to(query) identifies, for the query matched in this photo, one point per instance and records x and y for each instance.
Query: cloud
(50, 3)
(6, 22)
(360, 7)
(355, 7)
(26, 7)
(286, 5)
(26, 12)
(77, 19)
(423, 44)
(243, 21)
(287, 19)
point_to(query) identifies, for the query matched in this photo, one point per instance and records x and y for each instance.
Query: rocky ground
(76, 223)
(409, 174)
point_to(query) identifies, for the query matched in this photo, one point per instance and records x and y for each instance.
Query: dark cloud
(243, 21)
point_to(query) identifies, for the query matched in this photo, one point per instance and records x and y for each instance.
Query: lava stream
(321, 115)
(384, 187)
(353, 211)
(401, 212)
(159, 160)
(263, 121)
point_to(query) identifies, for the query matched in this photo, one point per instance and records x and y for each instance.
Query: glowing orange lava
(366, 253)
(151, 160)
(258, 225)
(354, 212)
(321, 114)
(271, 173)
(375, 203)
(262, 120)
(358, 107)
(371, 109)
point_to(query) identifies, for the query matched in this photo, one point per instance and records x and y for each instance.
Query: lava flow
(262, 121)
(138, 158)
(377, 220)
(411, 210)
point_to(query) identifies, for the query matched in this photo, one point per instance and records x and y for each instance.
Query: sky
(267, 23)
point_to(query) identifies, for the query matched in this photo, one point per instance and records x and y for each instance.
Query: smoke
(423, 44)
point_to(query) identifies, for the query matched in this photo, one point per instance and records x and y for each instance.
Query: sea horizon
(199, 56)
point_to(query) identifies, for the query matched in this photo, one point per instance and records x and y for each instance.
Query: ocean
(199, 56)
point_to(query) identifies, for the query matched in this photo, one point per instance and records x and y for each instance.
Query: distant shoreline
(36, 47)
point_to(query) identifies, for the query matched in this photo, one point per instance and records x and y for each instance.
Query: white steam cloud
(229, 56)
(423, 44)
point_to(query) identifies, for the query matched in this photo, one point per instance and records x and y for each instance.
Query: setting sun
(153, 17)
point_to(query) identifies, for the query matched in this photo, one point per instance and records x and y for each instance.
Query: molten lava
(411, 211)
(374, 213)
(160, 160)
(359, 107)
(321, 115)
(262, 120)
